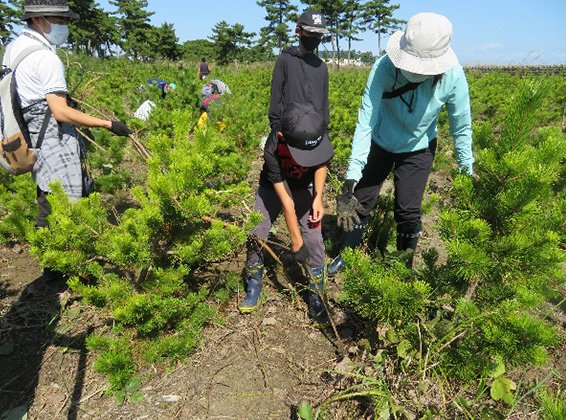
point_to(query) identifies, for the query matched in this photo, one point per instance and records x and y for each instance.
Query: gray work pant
(268, 204)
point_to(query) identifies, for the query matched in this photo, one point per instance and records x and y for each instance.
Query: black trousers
(44, 209)
(411, 171)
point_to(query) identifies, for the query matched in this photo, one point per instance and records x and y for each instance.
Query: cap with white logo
(305, 134)
(313, 21)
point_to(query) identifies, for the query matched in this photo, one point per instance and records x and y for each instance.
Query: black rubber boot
(350, 240)
(336, 265)
(317, 310)
(408, 240)
(254, 274)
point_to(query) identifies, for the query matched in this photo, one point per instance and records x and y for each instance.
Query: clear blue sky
(485, 31)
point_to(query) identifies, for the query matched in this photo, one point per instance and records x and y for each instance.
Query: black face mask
(309, 42)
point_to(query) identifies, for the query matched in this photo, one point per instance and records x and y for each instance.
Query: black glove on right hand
(120, 129)
(302, 258)
(346, 207)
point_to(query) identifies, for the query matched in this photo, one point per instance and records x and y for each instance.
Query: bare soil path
(255, 366)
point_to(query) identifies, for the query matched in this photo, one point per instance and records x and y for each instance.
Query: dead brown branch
(91, 141)
(142, 150)
(92, 108)
(472, 289)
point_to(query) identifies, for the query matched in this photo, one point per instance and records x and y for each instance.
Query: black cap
(313, 21)
(305, 133)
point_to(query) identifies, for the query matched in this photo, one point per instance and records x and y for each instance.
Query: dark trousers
(44, 209)
(268, 204)
(411, 171)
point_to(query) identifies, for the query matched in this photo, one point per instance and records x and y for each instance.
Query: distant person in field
(294, 172)
(203, 69)
(211, 93)
(43, 92)
(397, 128)
(163, 85)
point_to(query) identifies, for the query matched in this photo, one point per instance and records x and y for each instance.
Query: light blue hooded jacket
(391, 126)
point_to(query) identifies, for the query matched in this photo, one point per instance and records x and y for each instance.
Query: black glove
(346, 207)
(302, 257)
(120, 129)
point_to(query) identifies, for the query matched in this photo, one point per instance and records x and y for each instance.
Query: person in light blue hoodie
(397, 128)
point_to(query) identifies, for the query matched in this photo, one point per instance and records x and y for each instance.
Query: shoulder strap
(400, 91)
(16, 103)
(25, 53)
(44, 126)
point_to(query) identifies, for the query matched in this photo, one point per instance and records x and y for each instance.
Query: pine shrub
(140, 265)
(17, 207)
(504, 234)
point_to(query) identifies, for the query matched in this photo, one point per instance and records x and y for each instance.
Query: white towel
(144, 110)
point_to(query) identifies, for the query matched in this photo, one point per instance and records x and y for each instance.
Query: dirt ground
(254, 366)
(258, 366)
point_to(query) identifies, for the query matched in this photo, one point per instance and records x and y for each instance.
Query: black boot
(317, 310)
(408, 241)
(350, 240)
(254, 274)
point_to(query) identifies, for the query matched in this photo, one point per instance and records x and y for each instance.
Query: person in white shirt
(42, 91)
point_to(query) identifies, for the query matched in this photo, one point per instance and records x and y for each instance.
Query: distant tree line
(127, 30)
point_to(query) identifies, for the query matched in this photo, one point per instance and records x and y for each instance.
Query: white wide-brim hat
(424, 46)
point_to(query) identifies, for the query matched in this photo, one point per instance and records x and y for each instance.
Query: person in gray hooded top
(42, 91)
(294, 172)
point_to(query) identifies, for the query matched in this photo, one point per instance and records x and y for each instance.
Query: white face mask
(58, 35)
(414, 77)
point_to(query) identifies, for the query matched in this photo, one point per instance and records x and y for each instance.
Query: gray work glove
(120, 129)
(346, 207)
